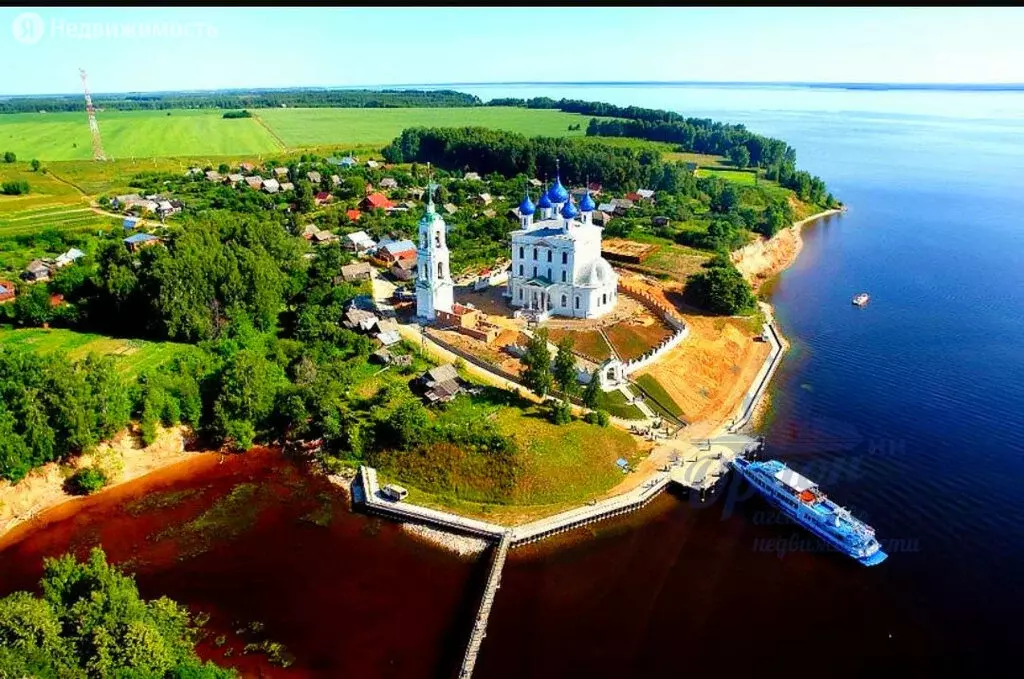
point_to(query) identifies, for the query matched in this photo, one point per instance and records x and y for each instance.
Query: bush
(560, 413)
(9, 157)
(87, 481)
(15, 188)
(598, 417)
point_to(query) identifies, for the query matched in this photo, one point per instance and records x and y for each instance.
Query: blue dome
(569, 210)
(557, 193)
(544, 202)
(587, 203)
(527, 207)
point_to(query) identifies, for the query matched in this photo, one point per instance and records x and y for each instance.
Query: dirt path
(262, 123)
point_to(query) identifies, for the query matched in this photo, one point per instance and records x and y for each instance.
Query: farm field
(314, 126)
(735, 176)
(132, 355)
(133, 134)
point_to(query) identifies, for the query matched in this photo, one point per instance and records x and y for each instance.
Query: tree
(91, 621)
(739, 156)
(9, 157)
(593, 389)
(303, 196)
(564, 372)
(87, 481)
(537, 363)
(223, 168)
(32, 306)
(721, 290)
(36, 165)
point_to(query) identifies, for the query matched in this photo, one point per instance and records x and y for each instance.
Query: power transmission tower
(94, 129)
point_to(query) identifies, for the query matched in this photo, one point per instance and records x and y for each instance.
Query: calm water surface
(908, 411)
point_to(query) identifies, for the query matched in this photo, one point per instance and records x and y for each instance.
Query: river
(907, 411)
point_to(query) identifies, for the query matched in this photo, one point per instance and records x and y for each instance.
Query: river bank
(123, 459)
(765, 258)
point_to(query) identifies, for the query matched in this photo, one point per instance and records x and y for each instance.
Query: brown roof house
(360, 271)
(440, 384)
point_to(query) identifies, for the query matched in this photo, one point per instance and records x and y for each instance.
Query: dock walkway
(476, 637)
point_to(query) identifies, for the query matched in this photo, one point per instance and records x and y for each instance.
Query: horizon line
(962, 86)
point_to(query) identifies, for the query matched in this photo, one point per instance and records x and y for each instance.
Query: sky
(186, 48)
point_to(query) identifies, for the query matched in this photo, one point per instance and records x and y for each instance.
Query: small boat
(800, 499)
(861, 299)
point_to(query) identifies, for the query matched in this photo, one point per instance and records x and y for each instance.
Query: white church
(557, 268)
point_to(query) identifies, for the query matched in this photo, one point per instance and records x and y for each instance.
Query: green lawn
(632, 341)
(653, 387)
(614, 402)
(590, 343)
(736, 176)
(317, 126)
(133, 134)
(133, 356)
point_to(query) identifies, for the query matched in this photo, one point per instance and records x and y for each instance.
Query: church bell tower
(435, 290)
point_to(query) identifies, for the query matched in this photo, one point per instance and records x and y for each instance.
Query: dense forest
(248, 99)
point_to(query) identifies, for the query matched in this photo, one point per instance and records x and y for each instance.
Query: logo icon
(28, 28)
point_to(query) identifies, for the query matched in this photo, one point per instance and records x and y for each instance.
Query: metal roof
(795, 481)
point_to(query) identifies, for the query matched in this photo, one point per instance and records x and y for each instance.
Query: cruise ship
(799, 498)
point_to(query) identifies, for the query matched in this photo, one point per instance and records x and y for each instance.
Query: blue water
(909, 411)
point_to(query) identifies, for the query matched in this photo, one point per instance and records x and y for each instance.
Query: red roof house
(323, 198)
(375, 201)
(353, 214)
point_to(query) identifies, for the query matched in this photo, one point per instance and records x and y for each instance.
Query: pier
(476, 637)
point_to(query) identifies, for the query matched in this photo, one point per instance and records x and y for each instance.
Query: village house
(137, 241)
(440, 384)
(125, 202)
(317, 236)
(360, 271)
(375, 201)
(271, 186)
(37, 270)
(353, 214)
(213, 176)
(404, 269)
(388, 183)
(314, 177)
(234, 179)
(387, 333)
(280, 172)
(255, 182)
(601, 218)
(359, 319)
(287, 186)
(246, 167)
(69, 257)
(7, 291)
(645, 194)
(372, 164)
(490, 214)
(130, 223)
(471, 177)
(348, 161)
(450, 208)
(323, 198)
(390, 251)
(535, 182)
(415, 192)
(358, 241)
(483, 199)
(335, 180)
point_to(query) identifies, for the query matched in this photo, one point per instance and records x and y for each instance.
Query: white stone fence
(681, 330)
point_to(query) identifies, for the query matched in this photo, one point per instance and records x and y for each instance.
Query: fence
(666, 315)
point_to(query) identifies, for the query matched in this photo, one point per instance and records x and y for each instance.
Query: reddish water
(356, 597)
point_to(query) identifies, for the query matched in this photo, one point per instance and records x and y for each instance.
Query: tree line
(246, 99)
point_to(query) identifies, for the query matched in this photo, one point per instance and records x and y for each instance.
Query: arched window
(564, 301)
(521, 252)
(549, 273)
(565, 258)
(520, 294)
(549, 255)
(437, 239)
(534, 272)
(563, 276)
(535, 254)
(577, 302)
(440, 269)
(520, 272)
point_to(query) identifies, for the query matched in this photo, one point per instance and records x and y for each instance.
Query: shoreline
(765, 258)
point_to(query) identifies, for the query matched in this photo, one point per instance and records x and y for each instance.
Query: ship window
(565, 258)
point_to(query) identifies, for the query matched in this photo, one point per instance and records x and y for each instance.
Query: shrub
(15, 188)
(560, 413)
(598, 417)
(9, 157)
(87, 481)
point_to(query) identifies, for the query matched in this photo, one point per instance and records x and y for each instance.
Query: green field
(614, 403)
(735, 176)
(133, 134)
(132, 355)
(316, 126)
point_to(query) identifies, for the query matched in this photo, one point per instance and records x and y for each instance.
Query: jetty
(476, 637)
